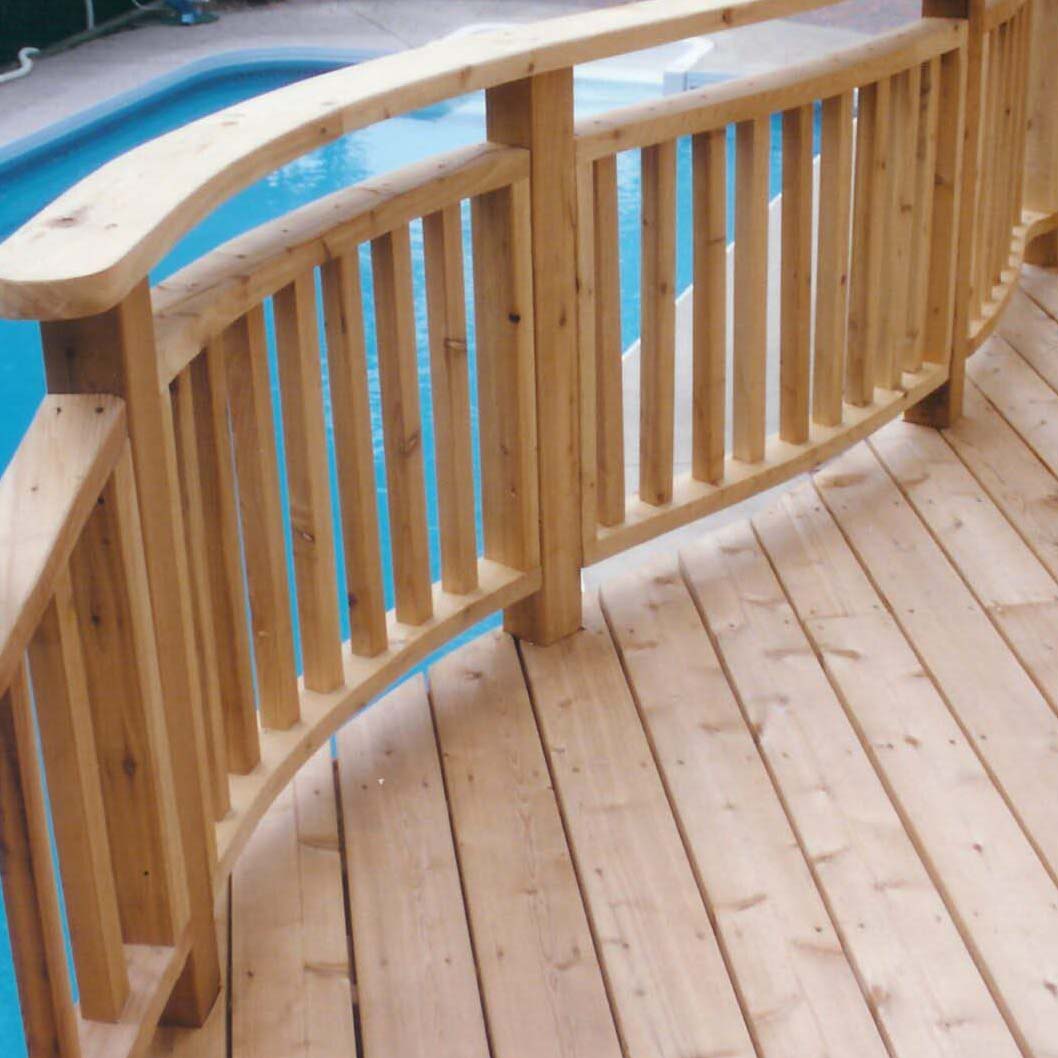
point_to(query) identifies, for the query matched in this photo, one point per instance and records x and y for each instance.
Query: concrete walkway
(63, 84)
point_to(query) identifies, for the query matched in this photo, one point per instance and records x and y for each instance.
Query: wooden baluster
(896, 264)
(835, 196)
(308, 483)
(503, 308)
(868, 242)
(985, 228)
(128, 716)
(537, 114)
(354, 449)
(925, 165)
(609, 373)
(709, 305)
(250, 400)
(223, 559)
(796, 286)
(30, 896)
(951, 249)
(216, 778)
(588, 395)
(1008, 148)
(115, 353)
(657, 344)
(994, 219)
(751, 289)
(1022, 65)
(450, 388)
(1040, 169)
(399, 376)
(60, 690)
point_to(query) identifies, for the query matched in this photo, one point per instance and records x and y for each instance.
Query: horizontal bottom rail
(284, 752)
(695, 499)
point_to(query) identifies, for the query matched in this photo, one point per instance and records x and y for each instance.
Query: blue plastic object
(189, 12)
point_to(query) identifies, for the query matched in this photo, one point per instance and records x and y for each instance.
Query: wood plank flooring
(791, 793)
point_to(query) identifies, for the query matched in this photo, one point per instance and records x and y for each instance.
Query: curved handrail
(88, 249)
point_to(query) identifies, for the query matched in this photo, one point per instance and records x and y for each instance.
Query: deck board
(415, 976)
(541, 983)
(994, 884)
(668, 981)
(800, 994)
(894, 925)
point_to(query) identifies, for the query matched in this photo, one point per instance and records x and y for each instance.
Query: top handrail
(87, 250)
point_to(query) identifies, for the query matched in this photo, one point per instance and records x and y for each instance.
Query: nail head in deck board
(992, 881)
(668, 982)
(541, 983)
(799, 993)
(415, 972)
(920, 980)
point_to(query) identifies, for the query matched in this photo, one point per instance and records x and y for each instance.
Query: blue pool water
(35, 177)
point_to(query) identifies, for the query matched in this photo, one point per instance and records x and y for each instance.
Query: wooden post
(942, 407)
(537, 114)
(1041, 145)
(115, 353)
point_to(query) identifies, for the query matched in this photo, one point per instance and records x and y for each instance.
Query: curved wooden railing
(147, 625)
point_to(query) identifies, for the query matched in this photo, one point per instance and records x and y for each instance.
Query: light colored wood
(540, 977)
(903, 191)
(450, 382)
(223, 559)
(971, 662)
(290, 983)
(308, 482)
(198, 302)
(750, 349)
(693, 499)
(983, 276)
(282, 752)
(919, 979)
(503, 308)
(537, 114)
(1041, 148)
(784, 956)
(668, 983)
(110, 594)
(609, 382)
(657, 347)
(759, 95)
(995, 887)
(924, 182)
(43, 273)
(795, 350)
(31, 899)
(958, 156)
(1033, 333)
(402, 424)
(831, 322)
(354, 453)
(709, 306)
(47, 493)
(116, 353)
(250, 402)
(215, 776)
(587, 410)
(1010, 471)
(60, 692)
(415, 973)
(868, 243)
(211, 1040)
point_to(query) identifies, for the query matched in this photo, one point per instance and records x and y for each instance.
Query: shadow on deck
(793, 792)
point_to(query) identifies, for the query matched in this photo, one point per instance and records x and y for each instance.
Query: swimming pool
(36, 172)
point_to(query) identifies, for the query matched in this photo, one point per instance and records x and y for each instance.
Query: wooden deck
(791, 794)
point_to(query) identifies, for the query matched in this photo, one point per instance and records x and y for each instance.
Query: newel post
(537, 114)
(1041, 143)
(942, 407)
(114, 353)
